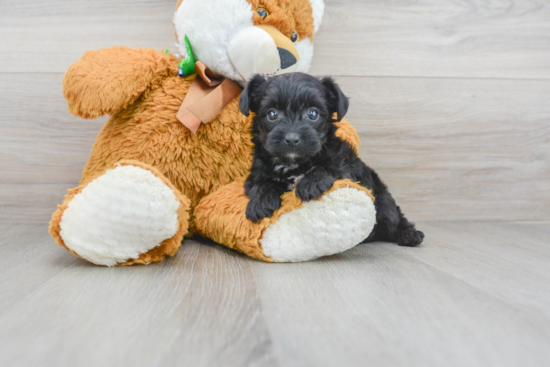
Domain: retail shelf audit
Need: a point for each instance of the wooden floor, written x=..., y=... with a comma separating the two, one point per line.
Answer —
x=475, y=294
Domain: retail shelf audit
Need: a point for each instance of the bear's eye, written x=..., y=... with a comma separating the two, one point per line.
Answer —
x=272, y=115
x=294, y=37
x=313, y=114
x=262, y=13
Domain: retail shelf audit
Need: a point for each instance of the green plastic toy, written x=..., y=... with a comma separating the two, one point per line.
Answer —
x=187, y=65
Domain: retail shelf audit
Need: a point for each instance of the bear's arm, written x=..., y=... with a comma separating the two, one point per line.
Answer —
x=108, y=80
x=347, y=133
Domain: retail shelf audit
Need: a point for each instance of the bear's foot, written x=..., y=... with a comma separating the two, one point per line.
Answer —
x=130, y=214
x=337, y=222
x=298, y=231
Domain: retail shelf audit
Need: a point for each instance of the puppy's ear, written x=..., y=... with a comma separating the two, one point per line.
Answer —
x=337, y=101
x=250, y=96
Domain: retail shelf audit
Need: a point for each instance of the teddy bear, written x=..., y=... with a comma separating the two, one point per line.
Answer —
x=172, y=159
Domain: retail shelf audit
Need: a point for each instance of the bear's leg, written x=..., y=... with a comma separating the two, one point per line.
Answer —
x=297, y=231
x=129, y=214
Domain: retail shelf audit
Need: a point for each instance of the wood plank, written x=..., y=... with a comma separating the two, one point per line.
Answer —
x=467, y=297
x=391, y=311
x=31, y=203
x=43, y=148
x=516, y=257
x=454, y=149
x=433, y=38
x=448, y=149
x=48, y=36
x=39, y=132
x=482, y=39
x=197, y=309
x=28, y=259
x=382, y=305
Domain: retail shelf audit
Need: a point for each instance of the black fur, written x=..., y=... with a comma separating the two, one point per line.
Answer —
x=296, y=147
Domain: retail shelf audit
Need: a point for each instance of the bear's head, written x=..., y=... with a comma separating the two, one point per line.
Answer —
x=239, y=38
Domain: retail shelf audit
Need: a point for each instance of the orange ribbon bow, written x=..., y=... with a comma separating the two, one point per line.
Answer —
x=207, y=97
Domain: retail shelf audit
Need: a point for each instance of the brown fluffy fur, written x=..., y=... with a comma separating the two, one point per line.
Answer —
x=221, y=216
x=142, y=92
x=147, y=131
x=287, y=16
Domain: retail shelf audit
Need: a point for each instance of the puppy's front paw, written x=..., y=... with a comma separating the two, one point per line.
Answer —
x=313, y=187
x=410, y=238
x=262, y=206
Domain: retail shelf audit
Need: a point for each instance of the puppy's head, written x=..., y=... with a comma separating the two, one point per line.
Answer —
x=294, y=113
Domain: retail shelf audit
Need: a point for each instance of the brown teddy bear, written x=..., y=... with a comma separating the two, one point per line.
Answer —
x=172, y=159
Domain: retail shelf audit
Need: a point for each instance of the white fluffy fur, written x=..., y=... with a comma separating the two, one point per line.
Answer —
x=318, y=11
x=120, y=215
x=212, y=24
x=337, y=222
x=305, y=50
x=253, y=51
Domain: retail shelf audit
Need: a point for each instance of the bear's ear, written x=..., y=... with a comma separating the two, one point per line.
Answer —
x=337, y=101
x=251, y=95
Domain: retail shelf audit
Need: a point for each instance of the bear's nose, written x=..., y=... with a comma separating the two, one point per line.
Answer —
x=287, y=58
x=292, y=139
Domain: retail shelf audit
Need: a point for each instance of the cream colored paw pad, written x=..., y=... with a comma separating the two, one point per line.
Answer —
x=336, y=223
x=120, y=215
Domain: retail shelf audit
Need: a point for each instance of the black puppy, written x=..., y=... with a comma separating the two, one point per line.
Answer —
x=296, y=147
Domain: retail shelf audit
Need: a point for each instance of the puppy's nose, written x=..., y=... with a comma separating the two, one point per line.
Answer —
x=292, y=139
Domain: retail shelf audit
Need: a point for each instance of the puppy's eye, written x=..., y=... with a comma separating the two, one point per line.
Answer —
x=313, y=114
x=294, y=37
x=272, y=115
x=262, y=13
